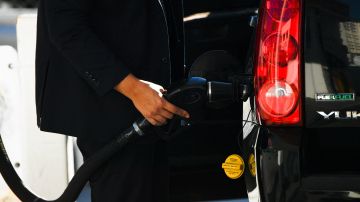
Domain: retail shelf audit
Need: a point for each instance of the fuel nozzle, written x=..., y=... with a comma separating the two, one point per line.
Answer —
x=239, y=89
x=195, y=93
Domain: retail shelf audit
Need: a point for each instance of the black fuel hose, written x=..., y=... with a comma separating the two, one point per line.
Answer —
x=191, y=95
x=81, y=177
x=91, y=165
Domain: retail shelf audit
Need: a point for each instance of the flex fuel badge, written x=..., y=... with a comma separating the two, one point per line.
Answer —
x=334, y=97
x=234, y=166
x=252, y=165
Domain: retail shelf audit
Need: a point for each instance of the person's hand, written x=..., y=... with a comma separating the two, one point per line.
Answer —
x=148, y=99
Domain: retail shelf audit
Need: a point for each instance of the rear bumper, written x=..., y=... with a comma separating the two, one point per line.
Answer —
x=292, y=165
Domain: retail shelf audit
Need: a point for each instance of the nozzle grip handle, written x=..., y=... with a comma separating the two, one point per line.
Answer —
x=141, y=126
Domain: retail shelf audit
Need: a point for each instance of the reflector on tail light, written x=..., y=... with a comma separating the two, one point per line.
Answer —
x=277, y=62
x=277, y=98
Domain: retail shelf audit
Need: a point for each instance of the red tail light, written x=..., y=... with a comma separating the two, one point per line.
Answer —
x=277, y=62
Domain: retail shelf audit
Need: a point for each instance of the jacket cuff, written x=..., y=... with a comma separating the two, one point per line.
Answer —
x=104, y=80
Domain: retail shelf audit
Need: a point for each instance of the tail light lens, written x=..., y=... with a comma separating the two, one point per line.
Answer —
x=277, y=62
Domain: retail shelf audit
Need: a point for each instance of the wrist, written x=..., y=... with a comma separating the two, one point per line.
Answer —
x=129, y=86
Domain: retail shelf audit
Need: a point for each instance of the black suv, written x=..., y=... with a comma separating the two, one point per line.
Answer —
x=301, y=134
x=300, y=138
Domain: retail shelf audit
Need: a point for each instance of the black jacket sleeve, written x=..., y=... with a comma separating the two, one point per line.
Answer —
x=70, y=32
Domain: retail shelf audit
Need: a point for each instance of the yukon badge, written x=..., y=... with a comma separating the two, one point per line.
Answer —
x=340, y=115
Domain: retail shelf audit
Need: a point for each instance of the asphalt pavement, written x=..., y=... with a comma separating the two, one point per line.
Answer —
x=85, y=197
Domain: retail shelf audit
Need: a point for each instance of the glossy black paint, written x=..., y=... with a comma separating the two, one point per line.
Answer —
x=332, y=60
x=196, y=156
x=278, y=164
x=317, y=162
x=286, y=171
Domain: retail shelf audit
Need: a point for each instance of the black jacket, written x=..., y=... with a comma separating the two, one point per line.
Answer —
x=86, y=47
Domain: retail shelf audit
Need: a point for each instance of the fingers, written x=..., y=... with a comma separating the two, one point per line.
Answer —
x=176, y=110
x=166, y=114
x=160, y=119
x=157, y=120
x=163, y=111
x=153, y=122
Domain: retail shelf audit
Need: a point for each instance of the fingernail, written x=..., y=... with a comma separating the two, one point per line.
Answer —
x=187, y=116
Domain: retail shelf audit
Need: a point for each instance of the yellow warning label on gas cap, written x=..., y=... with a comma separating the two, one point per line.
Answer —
x=234, y=166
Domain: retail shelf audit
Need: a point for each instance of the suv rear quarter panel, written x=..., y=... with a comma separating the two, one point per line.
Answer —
x=332, y=61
